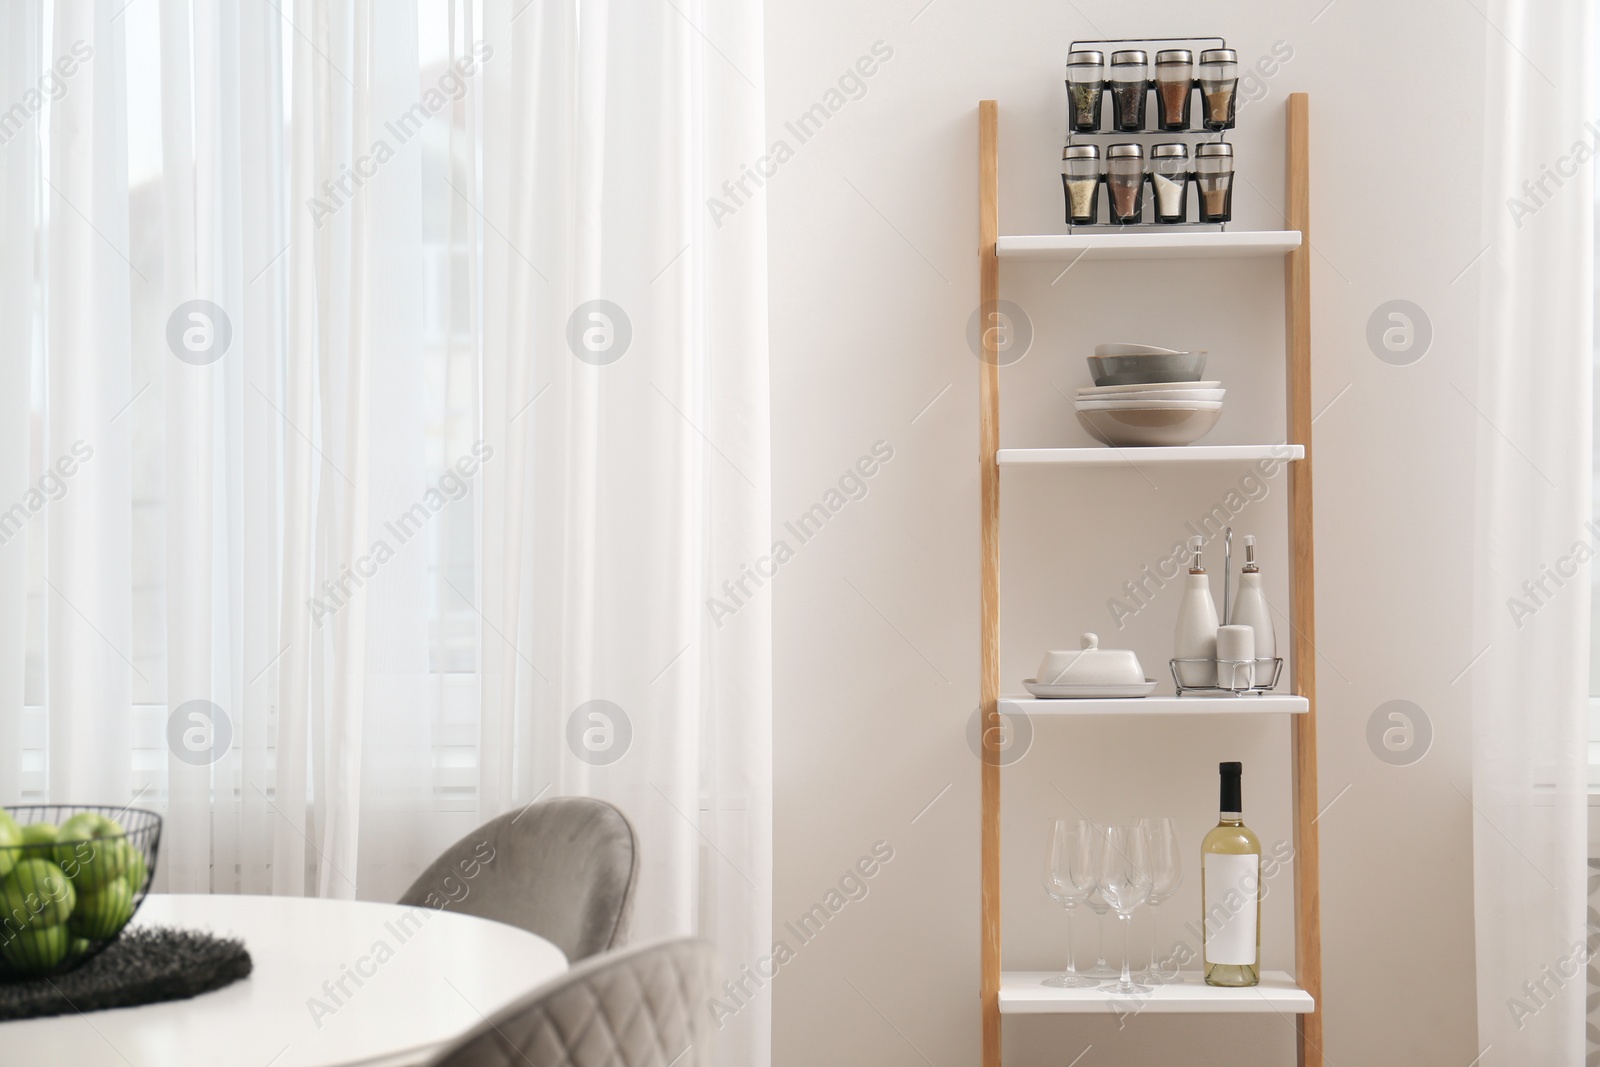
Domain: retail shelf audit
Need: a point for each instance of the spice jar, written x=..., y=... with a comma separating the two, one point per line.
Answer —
x=1129, y=78
x=1125, y=182
x=1219, y=87
x=1169, y=182
x=1213, y=175
x=1086, y=82
x=1080, y=180
x=1174, y=85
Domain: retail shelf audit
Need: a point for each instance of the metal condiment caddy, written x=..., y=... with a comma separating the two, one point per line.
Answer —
x=1195, y=82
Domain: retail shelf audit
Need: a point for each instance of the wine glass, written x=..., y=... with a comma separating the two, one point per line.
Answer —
x=1098, y=905
x=1069, y=879
x=1166, y=874
x=1124, y=881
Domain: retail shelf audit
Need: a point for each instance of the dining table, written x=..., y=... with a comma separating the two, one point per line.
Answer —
x=334, y=983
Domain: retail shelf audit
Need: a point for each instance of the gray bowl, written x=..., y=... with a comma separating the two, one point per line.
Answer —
x=1148, y=369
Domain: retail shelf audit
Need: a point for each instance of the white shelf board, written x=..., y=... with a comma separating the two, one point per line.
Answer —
x=1103, y=456
x=1177, y=244
x=1265, y=704
x=1023, y=993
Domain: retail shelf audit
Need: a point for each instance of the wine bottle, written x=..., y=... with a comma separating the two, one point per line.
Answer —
x=1230, y=891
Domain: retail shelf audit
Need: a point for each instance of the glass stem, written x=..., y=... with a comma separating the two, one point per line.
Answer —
x=1072, y=955
x=1100, y=941
x=1152, y=968
x=1127, y=932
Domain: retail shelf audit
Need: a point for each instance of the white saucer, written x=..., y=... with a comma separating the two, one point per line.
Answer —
x=1088, y=692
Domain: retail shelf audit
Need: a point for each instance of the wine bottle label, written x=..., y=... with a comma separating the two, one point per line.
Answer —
x=1232, y=884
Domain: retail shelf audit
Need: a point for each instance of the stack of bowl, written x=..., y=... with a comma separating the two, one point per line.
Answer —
x=1144, y=396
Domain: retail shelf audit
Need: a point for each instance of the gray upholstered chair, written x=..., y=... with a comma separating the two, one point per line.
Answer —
x=637, y=1007
x=564, y=869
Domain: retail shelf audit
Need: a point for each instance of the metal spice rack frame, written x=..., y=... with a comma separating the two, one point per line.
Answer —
x=1200, y=135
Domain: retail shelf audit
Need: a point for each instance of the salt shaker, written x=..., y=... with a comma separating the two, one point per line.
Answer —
x=1169, y=181
x=1129, y=80
x=1236, y=657
x=1080, y=180
x=1086, y=82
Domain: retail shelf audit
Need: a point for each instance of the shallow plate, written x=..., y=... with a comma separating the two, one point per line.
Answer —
x=1097, y=404
x=1164, y=393
x=1113, y=390
x=1088, y=692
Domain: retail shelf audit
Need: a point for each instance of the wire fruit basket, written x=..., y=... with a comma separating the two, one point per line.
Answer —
x=71, y=878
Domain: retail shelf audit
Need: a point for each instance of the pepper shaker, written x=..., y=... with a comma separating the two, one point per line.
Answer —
x=1219, y=87
x=1213, y=174
x=1125, y=182
x=1129, y=80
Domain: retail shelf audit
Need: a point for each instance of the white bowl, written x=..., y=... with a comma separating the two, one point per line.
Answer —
x=1148, y=405
x=1150, y=427
x=1114, y=391
x=1212, y=396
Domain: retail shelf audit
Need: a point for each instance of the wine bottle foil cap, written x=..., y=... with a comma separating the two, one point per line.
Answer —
x=1089, y=58
x=1213, y=148
x=1125, y=151
x=1169, y=151
x=1081, y=151
x=1219, y=55
x=1234, y=769
x=1129, y=58
x=1174, y=55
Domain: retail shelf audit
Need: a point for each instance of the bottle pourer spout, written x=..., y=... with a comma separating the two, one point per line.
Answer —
x=1194, y=546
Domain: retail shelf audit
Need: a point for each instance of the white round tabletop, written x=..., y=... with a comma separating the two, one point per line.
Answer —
x=336, y=983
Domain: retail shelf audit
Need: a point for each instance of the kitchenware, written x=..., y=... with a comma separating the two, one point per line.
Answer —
x=1169, y=181
x=1251, y=609
x=1091, y=665
x=1086, y=82
x=1236, y=657
x=1088, y=692
x=1160, y=392
x=1166, y=875
x=1069, y=867
x=1080, y=181
x=1219, y=87
x=1125, y=182
x=1128, y=81
x=1124, y=881
x=1195, y=639
x=1139, y=403
x=1174, y=87
x=1152, y=369
x=73, y=884
x=1113, y=390
x=1213, y=175
x=1124, y=349
x=1147, y=428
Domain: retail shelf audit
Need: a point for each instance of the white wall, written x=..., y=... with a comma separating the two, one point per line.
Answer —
x=874, y=274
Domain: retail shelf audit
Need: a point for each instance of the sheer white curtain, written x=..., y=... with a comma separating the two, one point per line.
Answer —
x=1529, y=694
x=426, y=406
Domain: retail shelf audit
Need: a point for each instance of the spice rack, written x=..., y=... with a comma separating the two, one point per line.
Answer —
x=1019, y=992
x=1150, y=130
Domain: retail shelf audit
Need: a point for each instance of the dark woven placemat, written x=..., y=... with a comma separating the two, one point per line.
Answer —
x=146, y=965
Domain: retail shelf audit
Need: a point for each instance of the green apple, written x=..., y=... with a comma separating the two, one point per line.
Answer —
x=36, y=893
x=10, y=839
x=138, y=870
x=104, y=912
x=40, y=833
x=35, y=950
x=92, y=850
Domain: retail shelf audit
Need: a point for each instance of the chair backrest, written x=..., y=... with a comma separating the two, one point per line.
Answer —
x=637, y=1007
x=564, y=869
